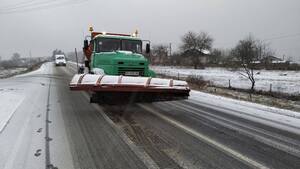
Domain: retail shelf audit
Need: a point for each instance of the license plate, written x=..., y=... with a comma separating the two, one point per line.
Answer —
x=132, y=73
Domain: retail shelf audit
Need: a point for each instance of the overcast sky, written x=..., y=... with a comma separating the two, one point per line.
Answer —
x=62, y=24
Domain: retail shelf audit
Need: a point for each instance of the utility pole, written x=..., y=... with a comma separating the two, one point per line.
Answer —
x=170, y=47
x=30, y=57
x=76, y=58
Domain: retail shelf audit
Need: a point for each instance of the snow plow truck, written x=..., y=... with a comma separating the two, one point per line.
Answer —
x=118, y=72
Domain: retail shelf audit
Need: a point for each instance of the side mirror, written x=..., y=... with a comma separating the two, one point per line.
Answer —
x=148, y=48
x=86, y=63
x=85, y=44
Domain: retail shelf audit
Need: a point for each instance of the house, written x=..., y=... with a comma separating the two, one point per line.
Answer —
x=273, y=60
x=203, y=55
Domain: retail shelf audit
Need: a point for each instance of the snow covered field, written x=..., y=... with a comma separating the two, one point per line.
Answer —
x=7, y=72
x=282, y=81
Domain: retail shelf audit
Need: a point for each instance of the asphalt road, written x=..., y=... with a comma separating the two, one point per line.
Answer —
x=56, y=128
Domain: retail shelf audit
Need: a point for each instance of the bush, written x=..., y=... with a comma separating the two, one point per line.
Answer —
x=197, y=81
x=6, y=64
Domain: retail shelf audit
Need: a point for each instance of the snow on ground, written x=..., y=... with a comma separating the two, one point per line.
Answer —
x=285, y=119
x=74, y=63
x=282, y=81
x=7, y=72
x=40, y=70
x=9, y=102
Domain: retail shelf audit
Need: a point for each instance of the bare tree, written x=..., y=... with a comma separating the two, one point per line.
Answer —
x=160, y=54
x=247, y=51
x=264, y=51
x=216, y=56
x=57, y=52
x=194, y=45
x=177, y=59
x=16, y=56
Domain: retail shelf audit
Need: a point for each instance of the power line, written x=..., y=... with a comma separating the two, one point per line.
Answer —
x=284, y=49
x=30, y=5
x=294, y=35
x=27, y=4
x=18, y=4
x=282, y=37
x=40, y=6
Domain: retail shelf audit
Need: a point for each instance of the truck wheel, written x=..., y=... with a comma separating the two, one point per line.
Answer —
x=80, y=70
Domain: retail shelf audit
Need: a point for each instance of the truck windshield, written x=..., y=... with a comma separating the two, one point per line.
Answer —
x=132, y=45
x=110, y=45
x=60, y=58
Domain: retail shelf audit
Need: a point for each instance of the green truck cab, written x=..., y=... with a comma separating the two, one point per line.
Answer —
x=116, y=54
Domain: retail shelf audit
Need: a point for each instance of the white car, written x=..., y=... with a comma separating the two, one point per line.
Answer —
x=60, y=60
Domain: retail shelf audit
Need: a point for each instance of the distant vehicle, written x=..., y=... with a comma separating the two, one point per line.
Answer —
x=60, y=60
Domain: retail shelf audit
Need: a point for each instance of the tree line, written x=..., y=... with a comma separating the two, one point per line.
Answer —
x=17, y=61
x=197, y=50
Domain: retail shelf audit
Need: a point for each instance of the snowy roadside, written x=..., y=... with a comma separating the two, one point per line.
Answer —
x=233, y=103
x=6, y=73
x=40, y=70
x=280, y=118
x=11, y=72
x=74, y=63
x=75, y=69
